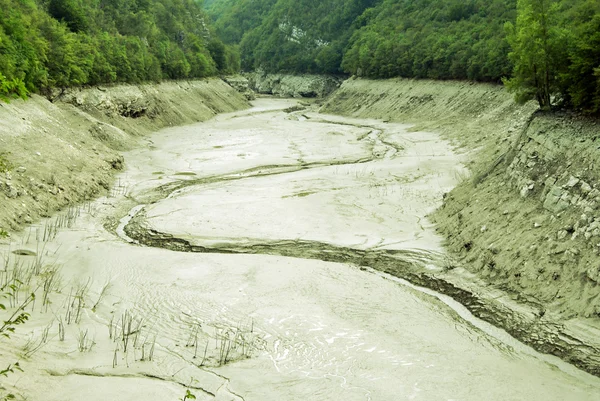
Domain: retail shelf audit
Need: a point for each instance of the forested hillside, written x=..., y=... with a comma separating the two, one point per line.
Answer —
x=60, y=43
x=289, y=36
x=547, y=50
x=438, y=39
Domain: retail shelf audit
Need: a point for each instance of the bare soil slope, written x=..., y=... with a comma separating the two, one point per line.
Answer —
x=525, y=227
x=53, y=154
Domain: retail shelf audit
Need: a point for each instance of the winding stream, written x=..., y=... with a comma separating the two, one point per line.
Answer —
x=244, y=253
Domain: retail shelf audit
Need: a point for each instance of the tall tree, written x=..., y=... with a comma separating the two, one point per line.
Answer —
x=536, y=43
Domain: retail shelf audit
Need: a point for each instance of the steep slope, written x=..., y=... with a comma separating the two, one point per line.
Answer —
x=54, y=154
x=46, y=44
x=523, y=229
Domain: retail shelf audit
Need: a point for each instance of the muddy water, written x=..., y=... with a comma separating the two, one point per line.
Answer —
x=237, y=320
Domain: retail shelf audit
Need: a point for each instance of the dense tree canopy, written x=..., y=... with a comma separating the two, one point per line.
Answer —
x=547, y=50
x=439, y=39
x=289, y=36
x=461, y=39
x=556, y=53
x=59, y=43
x=536, y=47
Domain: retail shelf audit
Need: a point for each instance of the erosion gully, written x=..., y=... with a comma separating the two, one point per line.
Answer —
x=247, y=258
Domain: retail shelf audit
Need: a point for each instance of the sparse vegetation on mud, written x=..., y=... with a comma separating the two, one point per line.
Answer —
x=5, y=165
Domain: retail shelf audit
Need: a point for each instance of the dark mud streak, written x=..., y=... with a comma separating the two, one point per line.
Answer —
x=543, y=336
x=394, y=146
x=304, y=249
x=166, y=190
x=92, y=373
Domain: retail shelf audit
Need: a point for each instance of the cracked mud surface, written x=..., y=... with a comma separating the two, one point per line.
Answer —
x=278, y=220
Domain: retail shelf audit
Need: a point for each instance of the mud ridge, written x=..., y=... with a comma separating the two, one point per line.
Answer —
x=542, y=335
x=525, y=323
x=171, y=188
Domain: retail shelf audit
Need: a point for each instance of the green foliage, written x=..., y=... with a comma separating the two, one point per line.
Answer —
x=60, y=43
x=556, y=53
x=10, y=89
x=15, y=318
x=71, y=12
x=4, y=372
x=445, y=39
x=188, y=396
x=5, y=165
x=580, y=80
x=233, y=18
x=536, y=44
x=18, y=316
x=286, y=35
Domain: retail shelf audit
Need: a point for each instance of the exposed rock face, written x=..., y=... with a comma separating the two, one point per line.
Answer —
x=242, y=85
x=298, y=86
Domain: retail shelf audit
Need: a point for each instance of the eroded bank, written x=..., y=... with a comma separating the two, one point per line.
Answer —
x=238, y=321
x=59, y=152
x=522, y=224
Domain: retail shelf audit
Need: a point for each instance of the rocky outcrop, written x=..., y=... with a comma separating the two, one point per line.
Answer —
x=558, y=165
x=242, y=85
x=298, y=86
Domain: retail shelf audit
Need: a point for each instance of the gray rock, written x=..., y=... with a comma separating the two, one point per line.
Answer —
x=557, y=200
x=593, y=273
x=572, y=182
x=11, y=192
x=293, y=86
x=21, y=169
x=585, y=187
x=550, y=181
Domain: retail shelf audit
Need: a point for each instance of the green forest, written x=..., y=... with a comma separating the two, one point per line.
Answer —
x=548, y=50
x=60, y=43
